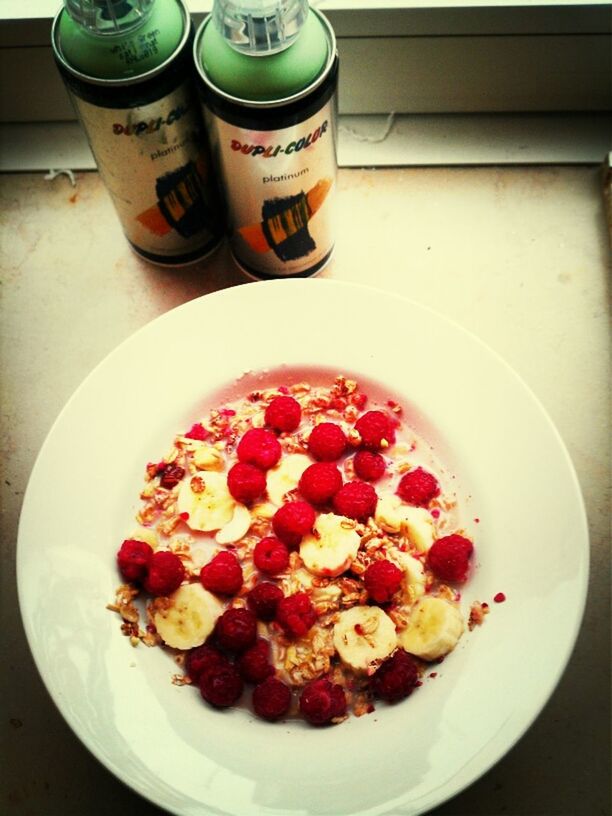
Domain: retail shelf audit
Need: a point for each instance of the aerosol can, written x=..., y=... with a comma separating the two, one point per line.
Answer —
x=128, y=67
x=268, y=78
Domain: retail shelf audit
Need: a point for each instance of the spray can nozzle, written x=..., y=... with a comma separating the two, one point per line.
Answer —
x=260, y=27
x=109, y=16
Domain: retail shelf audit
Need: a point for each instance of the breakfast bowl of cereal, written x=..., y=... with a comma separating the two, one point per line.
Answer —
x=291, y=564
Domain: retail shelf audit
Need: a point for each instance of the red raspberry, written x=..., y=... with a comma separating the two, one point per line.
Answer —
x=296, y=614
x=356, y=499
x=254, y=664
x=382, y=579
x=260, y=448
x=166, y=573
x=221, y=685
x=396, y=678
x=222, y=575
x=133, y=559
x=171, y=475
x=320, y=482
x=292, y=521
x=263, y=600
x=369, y=466
x=197, y=431
x=283, y=414
x=245, y=482
x=236, y=629
x=271, y=699
x=322, y=701
x=201, y=659
x=270, y=555
x=418, y=487
x=327, y=442
x=373, y=427
x=449, y=558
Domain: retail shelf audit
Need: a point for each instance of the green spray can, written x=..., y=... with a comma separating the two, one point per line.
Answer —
x=268, y=74
x=127, y=65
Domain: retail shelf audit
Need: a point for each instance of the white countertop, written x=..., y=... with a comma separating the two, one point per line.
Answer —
x=519, y=256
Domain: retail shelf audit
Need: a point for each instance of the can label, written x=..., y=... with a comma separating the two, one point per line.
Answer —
x=155, y=165
x=280, y=186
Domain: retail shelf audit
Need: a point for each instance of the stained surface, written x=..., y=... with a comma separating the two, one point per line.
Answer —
x=517, y=256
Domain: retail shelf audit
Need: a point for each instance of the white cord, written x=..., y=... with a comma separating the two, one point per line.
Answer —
x=53, y=174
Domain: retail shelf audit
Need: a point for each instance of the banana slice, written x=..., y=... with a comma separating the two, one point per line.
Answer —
x=205, y=457
x=332, y=547
x=236, y=528
x=394, y=516
x=286, y=476
x=187, y=617
x=414, y=575
x=363, y=637
x=147, y=535
x=206, y=501
x=434, y=628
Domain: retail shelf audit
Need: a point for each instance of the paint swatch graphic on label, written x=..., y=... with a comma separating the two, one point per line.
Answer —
x=279, y=188
x=284, y=225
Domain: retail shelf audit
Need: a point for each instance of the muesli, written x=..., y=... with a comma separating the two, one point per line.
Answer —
x=298, y=550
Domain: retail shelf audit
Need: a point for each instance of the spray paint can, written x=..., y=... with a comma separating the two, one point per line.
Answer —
x=268, y=80
x=127, y=65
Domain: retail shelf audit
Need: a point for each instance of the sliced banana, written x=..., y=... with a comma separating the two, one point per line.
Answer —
x=187, y=617
x=205, y=457
x=363, y=637
x=434, y=628
x=395, y=516
x=146, y=534
x=286, y=476
x=236, y=528
x=332, y=546
x=206, y=501
x=414, y=575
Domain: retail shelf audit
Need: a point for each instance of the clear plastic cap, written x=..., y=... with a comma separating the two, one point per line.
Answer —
x=260, y=27
x=109, y=16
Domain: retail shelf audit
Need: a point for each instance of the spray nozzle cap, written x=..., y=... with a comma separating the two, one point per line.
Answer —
x=260, y=27
x=109, y=16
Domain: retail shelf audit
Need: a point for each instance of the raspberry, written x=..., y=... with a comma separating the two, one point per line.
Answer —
x=221, y=685
x=260, y=448
x=320, y=482
x=322, y=701
x=373, y=428
x=356, y=499
x=133, y=559
x=327, y=442
x=449, y=558
x=292, y=521
x=166, y=573
x=222, y=575
x=254, y=664
x=396, y=678
x=382, y=580
x=296, y=614
x=201, y=659
x=245, y=482
x=369, y=466
x=197, y=431
x=271, y=699
x=236, y=629
x=263, y=600
x=270, y=555
x=283, y=414
x=418, y=487
x=171, y=475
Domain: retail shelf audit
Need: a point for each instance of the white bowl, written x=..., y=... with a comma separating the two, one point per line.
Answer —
x=531, y=542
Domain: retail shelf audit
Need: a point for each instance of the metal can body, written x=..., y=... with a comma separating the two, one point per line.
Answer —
x=149, y=142
x=278, y=167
